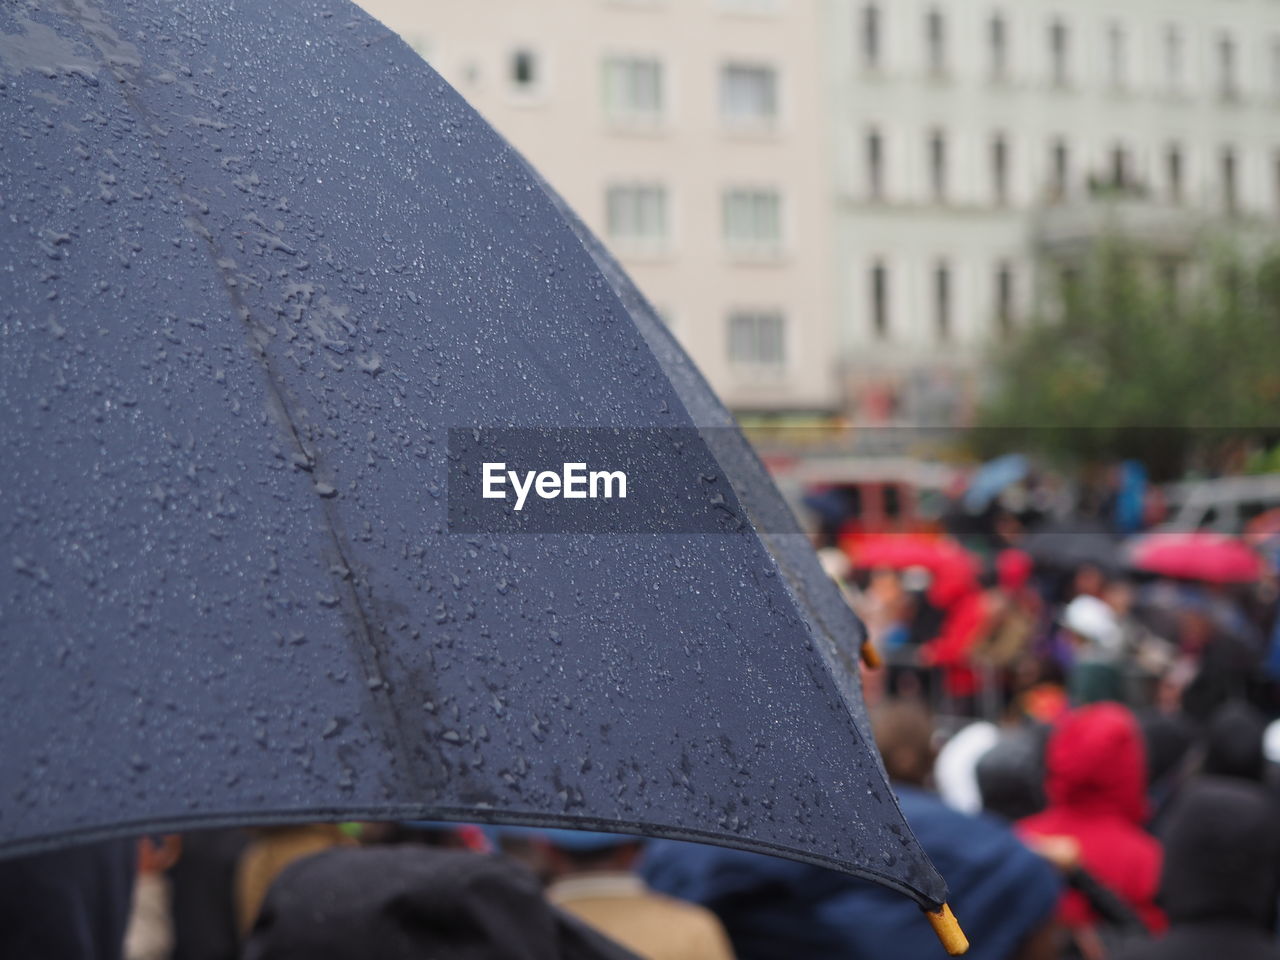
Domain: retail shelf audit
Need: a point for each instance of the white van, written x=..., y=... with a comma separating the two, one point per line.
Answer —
x=1225, y=505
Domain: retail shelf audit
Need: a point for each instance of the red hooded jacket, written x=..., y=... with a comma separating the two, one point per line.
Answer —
x=1096, y=781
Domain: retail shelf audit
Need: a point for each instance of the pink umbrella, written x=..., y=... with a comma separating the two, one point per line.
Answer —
x=1208, y=557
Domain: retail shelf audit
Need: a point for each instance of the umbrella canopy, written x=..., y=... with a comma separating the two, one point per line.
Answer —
x=261, y=261
x=992, y=477
x=954, y=570
x=1207, y=557
x=900, y=551
x=1073, y=544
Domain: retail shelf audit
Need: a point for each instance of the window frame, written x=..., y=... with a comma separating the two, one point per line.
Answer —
x=629, y=117
x=754, y=364
x=757, y=249
x=755, y=124
x=640, y=244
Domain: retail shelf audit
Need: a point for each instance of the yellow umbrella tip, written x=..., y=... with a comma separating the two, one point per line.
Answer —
x=947, y=928
x=871, y=656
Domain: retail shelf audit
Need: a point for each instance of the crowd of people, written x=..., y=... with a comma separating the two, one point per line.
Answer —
x=1118, y=713
x=1080, y=840
x=1087, y=751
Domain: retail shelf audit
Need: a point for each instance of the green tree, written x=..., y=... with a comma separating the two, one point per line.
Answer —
x=1116, y=364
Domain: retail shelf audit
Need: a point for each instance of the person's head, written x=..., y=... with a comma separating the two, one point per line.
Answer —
x=574, y=852
x=1092, y=626
x=1010, y=775
x=1119, y=596
x=1195, y=630
x=1233, y=742
x=1096, y=763
x=1221, y=845
x=1088, y=581
x=904, y=733
x=411, y=901
x=1013, y=570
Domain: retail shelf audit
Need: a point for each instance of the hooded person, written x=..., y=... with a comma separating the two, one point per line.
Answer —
x=413, y=902
x=1095, y=783
x=1219, y=883
x=1233, y=742
x=1010, y=775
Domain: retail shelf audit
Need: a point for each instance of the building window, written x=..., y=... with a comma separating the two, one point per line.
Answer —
x=1276, y=167
x=936, y=41
x=748, y=94
x=636, y=215
x=1227, y=67
x=1116, y=55
x=1173, y=58
x=633, y=89
x=1058, y=53
x=753, y=222
x=757, y=340
x=1004, y=298
x=1060, y=177
x=880, y=301
x=1275, y=67
x=998, y=37
x=525, y=72
x=871, y=35
x=938, y=166
x=1121, y=175
x=1173, y=168
x=875, y=165
x=942, y=301
x=1000, y=169
x=1230, y=199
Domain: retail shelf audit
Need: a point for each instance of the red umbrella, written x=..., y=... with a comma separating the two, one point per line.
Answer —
x=1208, y=557
x=899, y=551
x=954, y=569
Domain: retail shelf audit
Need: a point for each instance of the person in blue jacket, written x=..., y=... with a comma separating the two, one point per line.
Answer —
x=1003, y=894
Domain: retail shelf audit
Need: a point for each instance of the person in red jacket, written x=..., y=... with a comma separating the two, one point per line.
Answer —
x=1095, y=781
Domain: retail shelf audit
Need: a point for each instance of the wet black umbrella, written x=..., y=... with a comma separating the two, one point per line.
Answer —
x=271, y=293
x=1070, y=544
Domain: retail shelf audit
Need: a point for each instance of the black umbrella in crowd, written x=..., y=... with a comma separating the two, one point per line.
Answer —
x=1070, y=544
x=272, y=294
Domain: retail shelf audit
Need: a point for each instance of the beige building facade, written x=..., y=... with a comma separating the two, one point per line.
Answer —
x=691, y=136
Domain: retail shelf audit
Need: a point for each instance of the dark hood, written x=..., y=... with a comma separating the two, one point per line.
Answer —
x=1233, y=742
x=414, y=902
x=1222, y=846
x=1011, y=774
